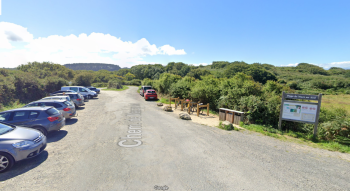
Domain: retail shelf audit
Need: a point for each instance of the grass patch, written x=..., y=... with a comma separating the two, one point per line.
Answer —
x=210, y=111
x=298, y=138
x=165, y=101
x=336, y=101
x=12, y=106
x=138, y=89
x=113, y=89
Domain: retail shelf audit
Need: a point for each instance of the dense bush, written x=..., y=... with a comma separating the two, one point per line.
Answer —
x=134, y=82
x=206, y=91
x=183, y=87
x=84, y=79
x=165, y=81
x=99, y=84
x=115, y=84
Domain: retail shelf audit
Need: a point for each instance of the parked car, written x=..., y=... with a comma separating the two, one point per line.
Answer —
x=18, y=143
x=44, y=119
x=143, y=89
x=62, y=97
x=69, y=91
x=61, y=91
x=66, y=108
x=151, y=94
x=82, y=90
x=93, y=89
x=75, y=97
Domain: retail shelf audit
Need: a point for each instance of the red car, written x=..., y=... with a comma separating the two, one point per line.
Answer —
x=151, y=94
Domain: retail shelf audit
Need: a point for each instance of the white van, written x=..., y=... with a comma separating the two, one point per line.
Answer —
x=82, y=90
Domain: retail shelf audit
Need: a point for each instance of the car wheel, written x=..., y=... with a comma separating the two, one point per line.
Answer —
x=90, y=97
x=6, y=162
x=76, y=106
x=42, y=130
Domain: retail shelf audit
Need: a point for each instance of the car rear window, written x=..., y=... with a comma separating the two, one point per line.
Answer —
x=146, y=88
x=52, y=111
x=67, y=103
x=151, y=92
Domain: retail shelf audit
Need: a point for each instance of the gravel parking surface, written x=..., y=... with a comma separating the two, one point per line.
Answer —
x=175, y=154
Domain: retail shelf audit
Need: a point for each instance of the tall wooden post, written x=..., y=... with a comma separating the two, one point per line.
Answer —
x=281, y=111
x=317, y=114
x=208, y=110
x=197, y=109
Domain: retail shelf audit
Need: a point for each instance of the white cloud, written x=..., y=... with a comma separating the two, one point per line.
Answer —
x=75, y=49
x=10, y=32
x=344, y=64
x=169, y=50
x=296, y=64
x=197, y=64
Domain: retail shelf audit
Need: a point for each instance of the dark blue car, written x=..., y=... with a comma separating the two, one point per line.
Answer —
x=44, y=119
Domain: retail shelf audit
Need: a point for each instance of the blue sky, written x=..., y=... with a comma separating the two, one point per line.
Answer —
x=194, y=32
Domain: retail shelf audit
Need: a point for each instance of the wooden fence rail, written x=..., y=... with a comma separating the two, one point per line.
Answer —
x=175, y=99
x=200, y=106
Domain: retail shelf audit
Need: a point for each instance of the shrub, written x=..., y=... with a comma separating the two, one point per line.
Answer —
x=99, y=84
x=84, y=79
x=115, y=84
x=183, y=87
x=134, y=82
x=165, y=81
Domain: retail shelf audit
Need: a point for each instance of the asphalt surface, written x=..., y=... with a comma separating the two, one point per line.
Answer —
x=91, y=153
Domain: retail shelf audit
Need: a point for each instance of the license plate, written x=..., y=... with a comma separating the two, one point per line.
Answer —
x=151, y=97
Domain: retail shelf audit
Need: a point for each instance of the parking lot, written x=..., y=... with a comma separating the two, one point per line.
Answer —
x=174, y=154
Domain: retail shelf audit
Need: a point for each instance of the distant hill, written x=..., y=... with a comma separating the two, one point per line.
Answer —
x=92, y=66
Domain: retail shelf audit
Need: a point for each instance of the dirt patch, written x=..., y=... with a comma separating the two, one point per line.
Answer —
x=211, y=120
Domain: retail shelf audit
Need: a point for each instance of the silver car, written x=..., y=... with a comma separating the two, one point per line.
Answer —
x=66, y=108
x=62, y=97
x=77, y=99
x=18, y=143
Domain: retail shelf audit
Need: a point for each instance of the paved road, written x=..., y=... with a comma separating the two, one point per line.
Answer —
x=178, y=155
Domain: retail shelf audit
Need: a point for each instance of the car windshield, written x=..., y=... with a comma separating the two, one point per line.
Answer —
x=5, y=129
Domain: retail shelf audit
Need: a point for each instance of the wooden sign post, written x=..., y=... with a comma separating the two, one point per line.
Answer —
x=300, y=111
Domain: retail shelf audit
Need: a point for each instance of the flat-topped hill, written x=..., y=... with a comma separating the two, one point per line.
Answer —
x=92, y=66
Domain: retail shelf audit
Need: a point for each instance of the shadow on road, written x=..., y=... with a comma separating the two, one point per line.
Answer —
x=80, y=108
x=71, y=121
x=96, y=98
x=153, y=100
x=56, y=136
x=24, y=166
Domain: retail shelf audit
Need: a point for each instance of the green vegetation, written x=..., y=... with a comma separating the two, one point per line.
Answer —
x=301, y=138
x=165, y=101
x=114, y=89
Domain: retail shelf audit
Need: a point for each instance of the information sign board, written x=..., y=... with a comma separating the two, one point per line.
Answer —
x=299, y=112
